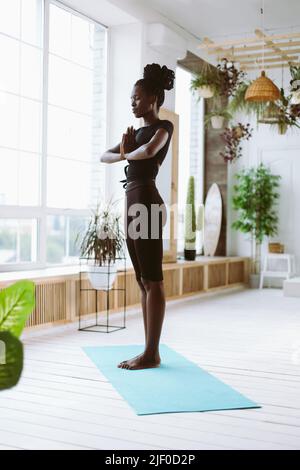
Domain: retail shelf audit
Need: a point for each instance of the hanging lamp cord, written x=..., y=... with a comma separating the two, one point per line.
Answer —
x=262, y=11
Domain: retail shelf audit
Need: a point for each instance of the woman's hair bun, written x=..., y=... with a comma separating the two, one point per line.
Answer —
x=163, y=76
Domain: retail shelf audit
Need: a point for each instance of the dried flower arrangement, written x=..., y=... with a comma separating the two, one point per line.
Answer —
x=232, y=137
x=230, y=78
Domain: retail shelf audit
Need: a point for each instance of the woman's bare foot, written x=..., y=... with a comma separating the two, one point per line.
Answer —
x=141, y=362
x=124, y=362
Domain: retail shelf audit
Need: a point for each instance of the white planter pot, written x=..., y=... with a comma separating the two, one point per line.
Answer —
x=205, y=91
x=217, y=122
x=102, y=277
x=254, y=281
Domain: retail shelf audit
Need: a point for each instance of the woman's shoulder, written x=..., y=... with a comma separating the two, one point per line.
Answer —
x=166, y=124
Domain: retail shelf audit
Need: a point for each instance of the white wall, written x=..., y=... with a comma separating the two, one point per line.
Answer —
x=282, y=154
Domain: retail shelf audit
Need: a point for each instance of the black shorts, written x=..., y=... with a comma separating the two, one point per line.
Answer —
x=145, y=216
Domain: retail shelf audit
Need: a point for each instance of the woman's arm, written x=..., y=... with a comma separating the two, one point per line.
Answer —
x=112, y=155
x=151, y=148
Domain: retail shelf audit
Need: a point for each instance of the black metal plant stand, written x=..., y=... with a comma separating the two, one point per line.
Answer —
x=96, y=327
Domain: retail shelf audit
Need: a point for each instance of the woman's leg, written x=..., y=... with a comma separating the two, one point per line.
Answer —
x=135, y=262
x=156, y=305
x=150, y=252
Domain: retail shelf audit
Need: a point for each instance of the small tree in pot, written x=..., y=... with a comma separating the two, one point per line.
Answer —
x=103, y=242
x=255, y=197
x=190, y=222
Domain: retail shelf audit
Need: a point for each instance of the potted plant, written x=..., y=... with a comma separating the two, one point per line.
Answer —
x=217, y=117
x=205, y=82
x=17, y=302
x=232, y=137
x=190, y=222
x=255, y=198
x=281, y=114
x=102, y=243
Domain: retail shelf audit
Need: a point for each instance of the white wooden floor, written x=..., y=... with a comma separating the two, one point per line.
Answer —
x=249, y=339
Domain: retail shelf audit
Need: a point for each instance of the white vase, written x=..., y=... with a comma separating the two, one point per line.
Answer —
x=217, y=122
x=205, y=91
x=102, y=277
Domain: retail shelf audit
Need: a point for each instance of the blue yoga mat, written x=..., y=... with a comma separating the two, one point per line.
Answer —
x=178, y=385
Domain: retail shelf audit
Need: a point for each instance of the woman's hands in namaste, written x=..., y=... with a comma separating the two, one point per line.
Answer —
x=128, y=143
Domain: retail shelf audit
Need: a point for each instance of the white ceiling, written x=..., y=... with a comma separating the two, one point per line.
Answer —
x=227, y=18
x=196, y=19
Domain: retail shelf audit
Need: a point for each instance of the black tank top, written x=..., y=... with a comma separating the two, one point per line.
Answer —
x=148, y=168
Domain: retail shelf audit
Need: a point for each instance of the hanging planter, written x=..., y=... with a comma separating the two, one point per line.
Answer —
x=205, y=91
x=281, y=115
x=205, y=82
x=217, y=117
x=217, y=122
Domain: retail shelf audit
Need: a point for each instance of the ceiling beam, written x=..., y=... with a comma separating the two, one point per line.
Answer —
x=270, y=43
x=275, y=59
x=209, y=41
x=275, y=66
x=258, y=47
x=240, y=57
x=235, y=42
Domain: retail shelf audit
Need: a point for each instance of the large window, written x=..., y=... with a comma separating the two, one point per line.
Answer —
x=191, y=150
x=53, y=129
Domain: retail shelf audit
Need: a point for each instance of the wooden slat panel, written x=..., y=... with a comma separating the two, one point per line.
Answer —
x=171, y=282
x=216, y=275
x=58, y=301
x=236, y=272
x=193, y=279
x=50, y=304
x=132, y=290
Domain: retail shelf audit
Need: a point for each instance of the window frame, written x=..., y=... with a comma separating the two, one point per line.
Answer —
x=41, y=211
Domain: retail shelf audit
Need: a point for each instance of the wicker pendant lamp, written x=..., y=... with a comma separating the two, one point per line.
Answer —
x=262, y=89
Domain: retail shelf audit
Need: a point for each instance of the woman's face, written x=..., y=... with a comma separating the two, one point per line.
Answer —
x=141, y=103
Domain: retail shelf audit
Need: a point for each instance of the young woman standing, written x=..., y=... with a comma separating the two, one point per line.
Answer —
x=145, y=150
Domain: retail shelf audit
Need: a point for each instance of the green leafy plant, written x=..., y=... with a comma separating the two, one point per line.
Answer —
x=207, y=76
x=217, y=112
x=16, y=304
x=239, y=104
x=255, y=199
x=281, y=114
x=103, y=240
x=190, y=221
